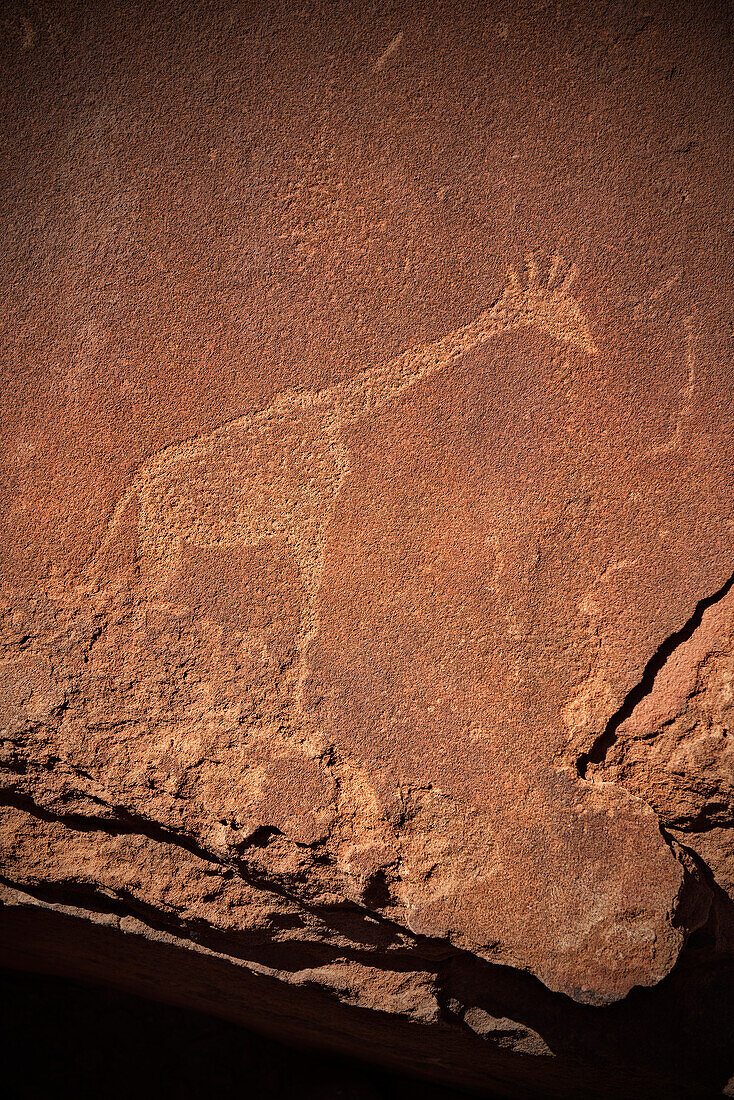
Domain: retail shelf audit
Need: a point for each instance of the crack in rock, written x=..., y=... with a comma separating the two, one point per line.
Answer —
x=602, y=744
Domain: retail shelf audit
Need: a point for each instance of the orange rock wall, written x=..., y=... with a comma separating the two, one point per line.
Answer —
x=367, y=508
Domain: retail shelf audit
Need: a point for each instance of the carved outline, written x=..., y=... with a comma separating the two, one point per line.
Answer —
x=528, y=300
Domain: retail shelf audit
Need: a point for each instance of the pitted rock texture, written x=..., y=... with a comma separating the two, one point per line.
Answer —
x=367, y=518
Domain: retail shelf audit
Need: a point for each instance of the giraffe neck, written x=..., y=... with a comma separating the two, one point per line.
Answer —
x=375, y=387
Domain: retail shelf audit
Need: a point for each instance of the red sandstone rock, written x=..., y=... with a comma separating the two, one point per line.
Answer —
x=368, y=526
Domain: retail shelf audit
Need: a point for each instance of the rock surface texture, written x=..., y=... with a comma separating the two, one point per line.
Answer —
x=367, y=626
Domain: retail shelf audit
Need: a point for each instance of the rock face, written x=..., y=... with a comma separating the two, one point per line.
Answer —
x=368, y=603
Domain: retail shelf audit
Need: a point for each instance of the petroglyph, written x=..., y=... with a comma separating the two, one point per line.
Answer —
x=548, y=304
x=391, y=50
x=687, y=391
x=275, y=475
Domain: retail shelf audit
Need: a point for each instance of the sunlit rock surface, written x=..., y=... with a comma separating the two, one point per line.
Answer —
x=367, y=609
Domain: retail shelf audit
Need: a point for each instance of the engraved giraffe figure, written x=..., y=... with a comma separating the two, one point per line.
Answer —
x=275, y=475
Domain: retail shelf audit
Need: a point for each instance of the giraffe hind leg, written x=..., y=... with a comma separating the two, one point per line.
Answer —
x=311, y=566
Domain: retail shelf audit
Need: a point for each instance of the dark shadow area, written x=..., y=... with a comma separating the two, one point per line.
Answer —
x=672, y=1040
x=67, y=1038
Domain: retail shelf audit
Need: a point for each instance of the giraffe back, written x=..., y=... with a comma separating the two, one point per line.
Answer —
x=254, y=478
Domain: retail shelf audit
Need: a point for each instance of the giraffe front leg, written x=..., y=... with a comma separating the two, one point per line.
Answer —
x=312, y=568
x=311, y=563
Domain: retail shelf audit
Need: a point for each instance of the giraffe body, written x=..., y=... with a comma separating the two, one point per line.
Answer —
x=276, y=475
x=273, y=476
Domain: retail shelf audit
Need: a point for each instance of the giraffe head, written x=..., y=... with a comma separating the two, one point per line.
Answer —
x=547, y=303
